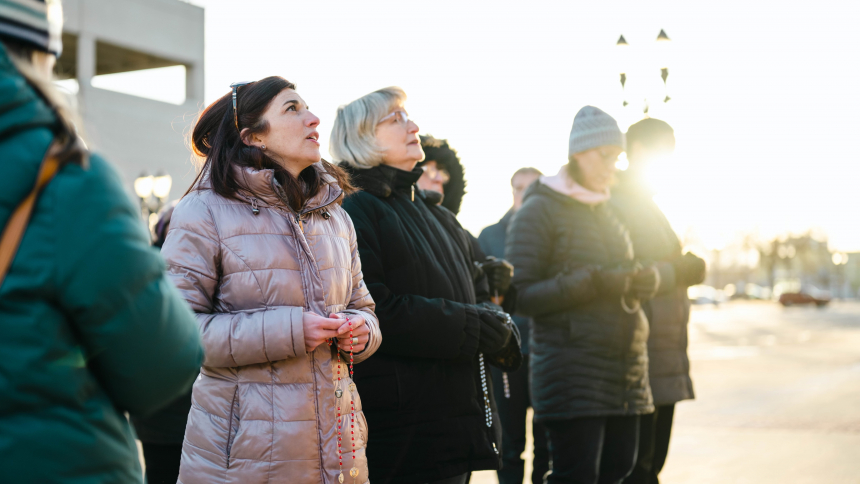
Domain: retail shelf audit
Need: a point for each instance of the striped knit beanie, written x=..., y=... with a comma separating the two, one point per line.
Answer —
x=37, y=23
x=593, y=128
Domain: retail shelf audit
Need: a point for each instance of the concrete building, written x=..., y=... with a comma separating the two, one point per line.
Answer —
x=137, y=135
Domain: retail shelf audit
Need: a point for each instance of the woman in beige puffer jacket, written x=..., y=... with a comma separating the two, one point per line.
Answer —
x=268, y=271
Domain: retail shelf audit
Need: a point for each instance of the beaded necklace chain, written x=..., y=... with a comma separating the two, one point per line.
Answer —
x=488, y=412
x=338, y=392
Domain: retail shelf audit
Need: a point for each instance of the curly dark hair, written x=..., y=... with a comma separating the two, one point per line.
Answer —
x=446, y=159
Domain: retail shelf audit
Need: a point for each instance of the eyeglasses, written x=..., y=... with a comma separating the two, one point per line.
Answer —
x=436, y=174
x=400, y=116
x=235, y=87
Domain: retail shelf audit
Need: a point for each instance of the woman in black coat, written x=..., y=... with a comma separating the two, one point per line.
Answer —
x=427, y=392
x=576, y=277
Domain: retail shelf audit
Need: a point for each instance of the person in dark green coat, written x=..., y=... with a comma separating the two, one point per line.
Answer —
x=91, y=328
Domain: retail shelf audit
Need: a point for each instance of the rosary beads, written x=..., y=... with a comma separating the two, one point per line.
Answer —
x=338, y=393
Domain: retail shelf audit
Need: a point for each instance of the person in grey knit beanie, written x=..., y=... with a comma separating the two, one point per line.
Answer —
x=578, y=278
x=593, y=128
x=594, y=146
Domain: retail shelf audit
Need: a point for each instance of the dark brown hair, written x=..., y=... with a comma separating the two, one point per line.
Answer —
x=216, y=139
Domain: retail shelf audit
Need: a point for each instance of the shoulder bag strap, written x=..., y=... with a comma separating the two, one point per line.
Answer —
x=14, y=230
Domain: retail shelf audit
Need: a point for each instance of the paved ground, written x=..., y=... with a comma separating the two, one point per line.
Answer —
x=778, y=397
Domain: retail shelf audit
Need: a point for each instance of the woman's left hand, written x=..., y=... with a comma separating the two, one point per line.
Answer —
x=360, y=331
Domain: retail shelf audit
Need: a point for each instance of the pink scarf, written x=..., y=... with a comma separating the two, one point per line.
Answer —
x=564, y=184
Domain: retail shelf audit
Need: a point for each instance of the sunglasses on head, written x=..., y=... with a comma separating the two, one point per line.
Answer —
x=235, y=87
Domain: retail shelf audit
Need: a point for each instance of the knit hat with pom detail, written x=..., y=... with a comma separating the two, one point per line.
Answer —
x=36, y=23
x=593, y=128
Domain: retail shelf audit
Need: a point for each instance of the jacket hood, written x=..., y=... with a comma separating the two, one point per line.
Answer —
x=27, y=125
x=446, y=158
x=539, y=189
x=562, y=183
x=20, y=107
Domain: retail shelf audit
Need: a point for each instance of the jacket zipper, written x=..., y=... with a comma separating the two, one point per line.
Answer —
x=311, y=356
x=303, y=212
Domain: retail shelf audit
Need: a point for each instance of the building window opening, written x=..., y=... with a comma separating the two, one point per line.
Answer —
x=165, y=84
x=125, y=70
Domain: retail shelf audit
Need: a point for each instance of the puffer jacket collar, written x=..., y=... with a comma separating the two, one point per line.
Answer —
x=540, y=189
x=262, y=188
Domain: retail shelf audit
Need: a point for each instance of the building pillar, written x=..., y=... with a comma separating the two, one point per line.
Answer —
x=86, y=61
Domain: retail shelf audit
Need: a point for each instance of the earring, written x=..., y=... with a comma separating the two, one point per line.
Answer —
x=263, y=147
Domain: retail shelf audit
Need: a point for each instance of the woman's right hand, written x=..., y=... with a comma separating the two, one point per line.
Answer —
x=318, y=329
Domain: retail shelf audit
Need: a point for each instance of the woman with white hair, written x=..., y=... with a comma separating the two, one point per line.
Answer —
x=427, y=392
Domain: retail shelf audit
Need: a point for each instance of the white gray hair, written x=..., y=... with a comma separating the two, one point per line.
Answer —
x=353, y=137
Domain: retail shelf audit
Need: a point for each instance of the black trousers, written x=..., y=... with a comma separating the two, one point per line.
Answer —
x=592, y=450
x=162, y=462
x=512, y=413
x=655, y=430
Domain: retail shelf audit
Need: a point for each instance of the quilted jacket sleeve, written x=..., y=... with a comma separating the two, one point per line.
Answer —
x=193, y=254
x=361, y=303
x=140, y=338
x=541, y=288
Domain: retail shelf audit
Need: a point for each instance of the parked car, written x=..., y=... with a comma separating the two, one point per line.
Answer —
x=795, y=298
x=702, y=294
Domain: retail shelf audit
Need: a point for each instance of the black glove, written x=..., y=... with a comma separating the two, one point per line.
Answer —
x=645, y=283
x=689, y=270
x=496, y=331
x=499, y=274
x=613, y=282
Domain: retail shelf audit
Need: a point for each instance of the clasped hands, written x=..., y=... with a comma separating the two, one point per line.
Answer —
x=319, y=329
x=637, y=282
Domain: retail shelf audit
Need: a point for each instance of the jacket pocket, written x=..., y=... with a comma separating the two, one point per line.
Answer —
x=233, y=423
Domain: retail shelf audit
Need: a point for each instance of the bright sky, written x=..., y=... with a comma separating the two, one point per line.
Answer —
x=764, y=97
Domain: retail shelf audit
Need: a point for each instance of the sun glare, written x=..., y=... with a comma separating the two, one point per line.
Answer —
x=755, y=151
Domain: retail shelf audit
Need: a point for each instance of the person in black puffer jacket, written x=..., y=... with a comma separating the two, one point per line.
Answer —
x=577, y=278
x=669, y=311
x=426, y=395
